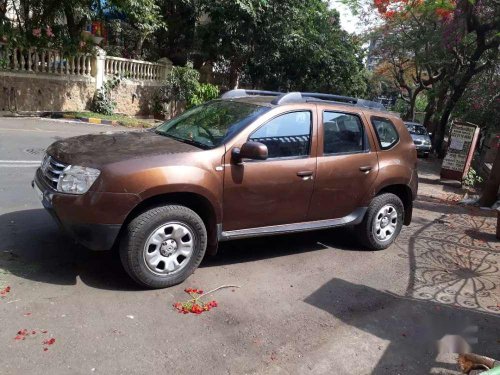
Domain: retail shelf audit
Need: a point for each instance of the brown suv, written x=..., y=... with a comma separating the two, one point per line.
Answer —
x=253, y=163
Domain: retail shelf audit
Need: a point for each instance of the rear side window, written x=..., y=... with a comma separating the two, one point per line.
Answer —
x=343, y=133
x=386, y=132
x=287, y=135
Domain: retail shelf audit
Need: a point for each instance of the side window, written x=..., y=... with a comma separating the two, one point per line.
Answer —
x=288, y=135
x=343, y=133
x=386, y=132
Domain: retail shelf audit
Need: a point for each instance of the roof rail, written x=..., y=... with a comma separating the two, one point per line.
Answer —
x=239, y=93
x=335, y=98
x=300, y=97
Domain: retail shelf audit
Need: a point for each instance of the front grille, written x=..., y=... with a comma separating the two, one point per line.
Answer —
x=51, y=170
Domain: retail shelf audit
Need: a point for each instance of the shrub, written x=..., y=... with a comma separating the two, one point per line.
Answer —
x=102, y=102
x=471, y=179
x=182, y=88
x=204, y=92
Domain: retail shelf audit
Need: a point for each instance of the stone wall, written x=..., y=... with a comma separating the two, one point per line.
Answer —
x=34, y=79
x=134, y=98
x=30, y=92
x=21, y=92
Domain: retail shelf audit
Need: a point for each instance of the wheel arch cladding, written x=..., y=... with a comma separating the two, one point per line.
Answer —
x=196, y=202
x=404, y=193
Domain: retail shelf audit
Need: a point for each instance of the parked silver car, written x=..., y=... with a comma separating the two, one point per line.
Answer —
x=420, y=137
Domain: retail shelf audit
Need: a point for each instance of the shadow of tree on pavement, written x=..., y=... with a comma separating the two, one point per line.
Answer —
x=452, y=264
x=452, y=289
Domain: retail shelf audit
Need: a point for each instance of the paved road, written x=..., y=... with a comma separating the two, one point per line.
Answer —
x=22, y=144
x=308, y=304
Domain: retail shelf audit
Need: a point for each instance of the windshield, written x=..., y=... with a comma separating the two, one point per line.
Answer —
x=416, y=129
x=211, y=124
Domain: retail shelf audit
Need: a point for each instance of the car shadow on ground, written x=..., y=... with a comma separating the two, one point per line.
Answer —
x=34, y=248
x=251, y=249
x=411, y=326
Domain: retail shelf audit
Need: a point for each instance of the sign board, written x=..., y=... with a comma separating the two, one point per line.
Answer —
x=461, y=147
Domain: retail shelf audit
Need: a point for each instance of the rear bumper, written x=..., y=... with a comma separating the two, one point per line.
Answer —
x=93, y=219
x=423, y=149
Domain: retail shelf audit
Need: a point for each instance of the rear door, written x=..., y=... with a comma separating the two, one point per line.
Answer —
x=347, y=164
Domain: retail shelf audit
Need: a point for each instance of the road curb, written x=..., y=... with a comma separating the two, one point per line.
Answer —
x=90, y=120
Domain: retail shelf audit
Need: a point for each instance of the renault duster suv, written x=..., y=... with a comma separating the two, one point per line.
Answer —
x=252, y=163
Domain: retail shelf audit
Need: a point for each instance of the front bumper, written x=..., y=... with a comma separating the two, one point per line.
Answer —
x=93, y=219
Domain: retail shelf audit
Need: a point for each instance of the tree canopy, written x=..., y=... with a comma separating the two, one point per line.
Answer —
x=287, y=45
x=436, y=48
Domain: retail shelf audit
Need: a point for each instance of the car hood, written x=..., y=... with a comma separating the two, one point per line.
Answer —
x=95, y=150
x=417, y=137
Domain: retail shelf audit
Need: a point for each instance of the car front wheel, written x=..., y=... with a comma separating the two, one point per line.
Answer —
x=382, y=222
x=163, y=246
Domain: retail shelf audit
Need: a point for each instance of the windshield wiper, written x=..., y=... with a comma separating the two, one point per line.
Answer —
x=184, y=140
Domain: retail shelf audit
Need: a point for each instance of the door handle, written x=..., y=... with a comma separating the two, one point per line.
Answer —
x=305, y=173
x=366, y=168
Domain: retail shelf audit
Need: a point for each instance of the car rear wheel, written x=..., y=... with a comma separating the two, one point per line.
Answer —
x=163, y=246
x=382, y=222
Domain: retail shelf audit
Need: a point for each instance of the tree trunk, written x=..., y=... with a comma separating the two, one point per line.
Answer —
x=410, y=112
x=430, y=108
x=3, y=9
x=457, y=92
x=234, y=75
x=138, y=47
x=73, y=29
x=491, y=189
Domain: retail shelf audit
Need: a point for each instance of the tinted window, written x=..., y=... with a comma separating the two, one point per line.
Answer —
x=343, y=133
x=416, y=129
x=288, y=135
x=386, y=132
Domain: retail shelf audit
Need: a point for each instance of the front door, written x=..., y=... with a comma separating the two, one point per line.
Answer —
x=277, y=190
x=347, y=165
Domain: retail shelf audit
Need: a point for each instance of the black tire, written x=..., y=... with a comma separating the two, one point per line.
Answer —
x=134, y=238
x=365, y=229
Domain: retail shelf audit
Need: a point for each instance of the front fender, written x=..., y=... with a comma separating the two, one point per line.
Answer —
x=171, y=188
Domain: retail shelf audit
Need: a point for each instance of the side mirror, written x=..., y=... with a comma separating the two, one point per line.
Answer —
x=249, y=150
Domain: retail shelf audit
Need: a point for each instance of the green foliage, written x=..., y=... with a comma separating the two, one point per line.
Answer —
x=292, y=45
x=401, y=106
x=421, y=103
x=103, y=102
x=471, y=179
x=143, y=14
x=203, y=93
x=182, y=86
x=480, y=104
x=182, y=83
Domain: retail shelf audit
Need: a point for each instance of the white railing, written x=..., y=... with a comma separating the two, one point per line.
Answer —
x=97, y=67
x=45, y=61
x=134, y=69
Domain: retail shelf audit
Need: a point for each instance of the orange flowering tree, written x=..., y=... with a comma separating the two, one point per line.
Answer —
x=434, y=47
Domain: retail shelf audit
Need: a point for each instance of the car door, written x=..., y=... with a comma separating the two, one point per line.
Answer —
x=277, y=190
x=347, y=164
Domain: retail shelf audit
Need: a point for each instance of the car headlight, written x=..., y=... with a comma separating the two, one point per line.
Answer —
x=77, y=180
